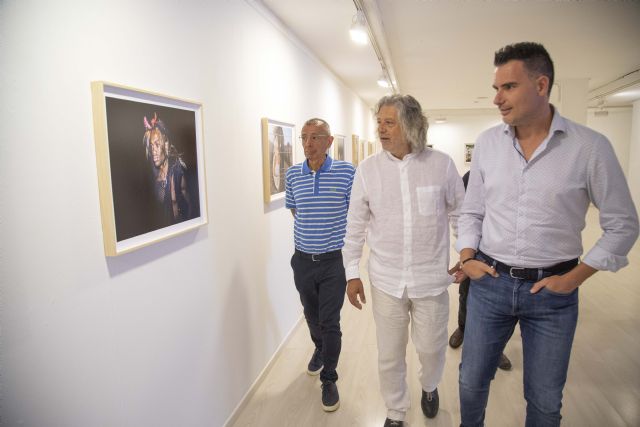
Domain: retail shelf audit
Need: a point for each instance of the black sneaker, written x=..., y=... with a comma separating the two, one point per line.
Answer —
x=430, y=403
x=330, y=396
x=505, y=363
x=393, y=423
x=315, y=364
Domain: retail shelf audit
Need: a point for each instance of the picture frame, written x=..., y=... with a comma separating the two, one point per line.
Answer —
x=355, y=149
x=276, y=161
x=338, y=147
x=468, y=152
x=150, y=164
x=370, y=148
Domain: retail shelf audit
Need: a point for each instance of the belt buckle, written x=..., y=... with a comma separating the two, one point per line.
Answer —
x=313, y=257
x=516, y=268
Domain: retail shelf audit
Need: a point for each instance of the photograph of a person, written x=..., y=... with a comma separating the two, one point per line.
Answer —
x=468, y=152
x=156, y=183
x=277, y=143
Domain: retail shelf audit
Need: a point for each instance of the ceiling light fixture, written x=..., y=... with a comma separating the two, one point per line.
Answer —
x=358, y=29
x=383, y=82
x=440, y=120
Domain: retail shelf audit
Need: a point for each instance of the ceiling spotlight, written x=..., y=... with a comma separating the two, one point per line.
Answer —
x=440, y=120
x=383, y=82
x=358, y=29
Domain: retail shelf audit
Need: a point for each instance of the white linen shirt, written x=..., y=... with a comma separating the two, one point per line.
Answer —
x=531, y=214
x=404, y=208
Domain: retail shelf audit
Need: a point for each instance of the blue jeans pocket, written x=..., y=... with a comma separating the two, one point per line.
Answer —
x=558, y=294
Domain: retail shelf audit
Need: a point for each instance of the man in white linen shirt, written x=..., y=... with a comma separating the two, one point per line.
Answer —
x=532, y=180
x=403, y=199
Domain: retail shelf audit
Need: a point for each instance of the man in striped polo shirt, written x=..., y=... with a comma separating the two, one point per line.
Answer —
x=318, y=192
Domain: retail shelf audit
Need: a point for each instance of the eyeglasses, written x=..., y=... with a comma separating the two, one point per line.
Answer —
x=312, y=138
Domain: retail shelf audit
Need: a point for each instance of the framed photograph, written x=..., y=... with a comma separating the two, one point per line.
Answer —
x=338, y=147
x=468, y=152
x=355, y=149
x=150, y=161
x=277, y=157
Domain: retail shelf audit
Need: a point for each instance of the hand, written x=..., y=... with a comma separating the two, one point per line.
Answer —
x=355, y=289
x=557, y=284
x=475, y=269
x=567, y=282
x=459, y=276
x=453, y=270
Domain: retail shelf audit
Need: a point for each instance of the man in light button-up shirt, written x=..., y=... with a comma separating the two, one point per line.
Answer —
x=403, y=200
x=532, y=180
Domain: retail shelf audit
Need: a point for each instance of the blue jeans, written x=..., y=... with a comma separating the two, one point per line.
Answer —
x=547, y=324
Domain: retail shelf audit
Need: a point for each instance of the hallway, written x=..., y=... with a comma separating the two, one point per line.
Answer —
x=603, y=388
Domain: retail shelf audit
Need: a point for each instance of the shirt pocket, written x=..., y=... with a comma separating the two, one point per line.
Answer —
x=429, y=202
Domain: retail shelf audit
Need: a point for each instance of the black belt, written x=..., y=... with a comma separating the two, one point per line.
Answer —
x=319, y=257
x=527, y=273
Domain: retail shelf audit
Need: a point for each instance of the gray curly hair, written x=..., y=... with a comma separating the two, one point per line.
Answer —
x=413, y=122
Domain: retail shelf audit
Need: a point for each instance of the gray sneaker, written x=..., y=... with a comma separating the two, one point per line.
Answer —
x=315, y=364
x=330, y=396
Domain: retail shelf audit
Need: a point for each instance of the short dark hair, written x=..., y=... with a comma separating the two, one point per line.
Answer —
x=413, y=122
x=535, y=57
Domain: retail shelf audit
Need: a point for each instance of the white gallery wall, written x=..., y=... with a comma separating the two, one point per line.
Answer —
x=173, y=334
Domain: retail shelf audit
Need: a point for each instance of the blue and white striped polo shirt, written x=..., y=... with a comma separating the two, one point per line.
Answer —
x=321, y=201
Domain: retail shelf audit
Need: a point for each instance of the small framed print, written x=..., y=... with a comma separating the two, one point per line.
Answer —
x=355, y=149
x=338, y=147
x=277, y=157
x=468, y=152
x=150, y=161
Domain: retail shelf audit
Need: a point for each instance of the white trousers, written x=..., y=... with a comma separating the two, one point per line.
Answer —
x=429, y=317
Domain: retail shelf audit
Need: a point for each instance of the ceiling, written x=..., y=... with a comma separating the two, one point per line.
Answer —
x=441, y=51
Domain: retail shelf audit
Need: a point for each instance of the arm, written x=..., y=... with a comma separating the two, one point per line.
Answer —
x=357, y=220
x=473, y=208
x=454, y=196
x=609, y=192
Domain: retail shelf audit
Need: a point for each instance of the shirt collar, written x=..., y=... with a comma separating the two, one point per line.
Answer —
x=558, y=124
x=326, y=166
x=395, y=159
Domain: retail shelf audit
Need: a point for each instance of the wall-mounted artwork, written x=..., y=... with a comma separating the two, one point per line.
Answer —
x=150, y=160
x=370, y=148
x=338, y=147
x=468, y=152
x=355, y=149
x=361, y=147
x=277, y=157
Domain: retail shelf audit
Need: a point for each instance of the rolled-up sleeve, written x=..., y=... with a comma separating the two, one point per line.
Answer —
x=610, y=193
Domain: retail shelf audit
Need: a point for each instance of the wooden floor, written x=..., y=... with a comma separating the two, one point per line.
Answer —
x=603, y=389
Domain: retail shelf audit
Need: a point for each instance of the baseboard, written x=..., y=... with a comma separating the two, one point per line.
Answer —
x=249, y=394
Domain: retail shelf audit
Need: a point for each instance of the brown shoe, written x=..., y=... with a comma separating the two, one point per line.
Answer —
x=456, y=338
x=505, y=363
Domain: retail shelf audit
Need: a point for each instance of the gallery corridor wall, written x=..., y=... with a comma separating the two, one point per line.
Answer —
x=175, y=333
